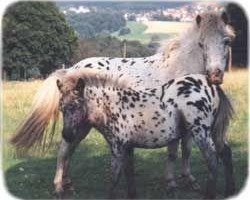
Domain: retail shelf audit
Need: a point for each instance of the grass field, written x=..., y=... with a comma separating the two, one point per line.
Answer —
x=165, y=27
x=30, y=176
x=138, y=32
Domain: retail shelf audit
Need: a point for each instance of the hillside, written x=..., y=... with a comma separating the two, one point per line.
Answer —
x=145, y=32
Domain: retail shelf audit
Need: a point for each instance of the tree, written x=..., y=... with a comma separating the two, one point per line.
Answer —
x=35, y=35
x=239, y=22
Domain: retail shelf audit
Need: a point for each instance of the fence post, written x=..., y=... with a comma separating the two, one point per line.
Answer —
x=124, y=48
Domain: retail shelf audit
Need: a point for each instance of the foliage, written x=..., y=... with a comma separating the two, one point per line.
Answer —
x=131, y=17
x=35, y=35
x=91, y=24
x=110, y=47
x=124, y=31
x=161, y=17
x=238, y=20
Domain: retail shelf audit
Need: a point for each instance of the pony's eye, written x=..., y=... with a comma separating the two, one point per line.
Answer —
x=200, y=45
x=227, y=41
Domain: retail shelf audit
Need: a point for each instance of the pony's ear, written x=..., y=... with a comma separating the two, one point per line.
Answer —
x=224, y=17
x=59, y=84
x=80, y=85
x=198, y=20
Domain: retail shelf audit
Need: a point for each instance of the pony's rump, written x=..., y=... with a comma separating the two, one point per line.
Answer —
x=45, y=108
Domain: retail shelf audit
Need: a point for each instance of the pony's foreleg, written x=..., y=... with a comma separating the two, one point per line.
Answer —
x=62, y=156
x=129, y=173
x=117, y=164
x=83, y=132
x=226, y=157
x=170, y=166
x=61, y=180
x=186, y=147
x=208, y=150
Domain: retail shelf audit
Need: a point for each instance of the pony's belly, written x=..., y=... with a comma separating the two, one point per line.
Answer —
x=149, y=145
x=152, y=140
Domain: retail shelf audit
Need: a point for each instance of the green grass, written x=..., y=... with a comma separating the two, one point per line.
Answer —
x=138, y=33
x=30, y=176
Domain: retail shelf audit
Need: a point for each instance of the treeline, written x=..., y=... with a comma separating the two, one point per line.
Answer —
x=134, y=6
x=161, y=17
x=92, y=24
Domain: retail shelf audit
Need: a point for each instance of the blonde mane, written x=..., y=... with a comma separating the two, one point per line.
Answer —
x=94, y=78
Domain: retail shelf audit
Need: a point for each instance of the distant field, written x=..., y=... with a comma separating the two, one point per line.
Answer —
x=165, y=27
x=31, y=176
x=138, y=32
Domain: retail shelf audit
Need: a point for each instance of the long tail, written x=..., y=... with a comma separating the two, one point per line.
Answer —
x=45, y=108
x=222, y=119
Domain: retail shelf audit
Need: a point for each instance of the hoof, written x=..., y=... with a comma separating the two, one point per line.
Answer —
x=59, y=193
x=210, y=192
x=189, y=181
x=68, y=185
x=209, y=196
x=131, y=196
x=195, y=186
x=230, y=189
x=64, y=190
x=112, y=194
x=171, y=186
x=229, y=193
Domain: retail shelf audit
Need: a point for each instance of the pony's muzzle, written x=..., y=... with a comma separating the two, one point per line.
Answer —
x=216, y=76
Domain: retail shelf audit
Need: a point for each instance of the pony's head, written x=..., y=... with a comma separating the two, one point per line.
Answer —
x=72, y=106
x=215, y=37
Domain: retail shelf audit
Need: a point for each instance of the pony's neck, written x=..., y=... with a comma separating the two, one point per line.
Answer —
x=99, y=99
x=186, y=57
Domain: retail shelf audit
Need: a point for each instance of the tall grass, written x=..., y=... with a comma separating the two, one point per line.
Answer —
x=236, y=86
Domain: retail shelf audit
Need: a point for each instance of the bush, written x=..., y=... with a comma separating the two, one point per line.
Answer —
x=124, y=31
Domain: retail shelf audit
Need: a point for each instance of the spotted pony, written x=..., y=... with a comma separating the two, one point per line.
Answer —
x=184, y=107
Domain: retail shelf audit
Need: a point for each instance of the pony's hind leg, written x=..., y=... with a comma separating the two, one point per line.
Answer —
x=170, y=166
x=226, y=156
x=62, y=181
x=129, y=173
x=118, y=156
x=186, y=176
x=207, y=147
